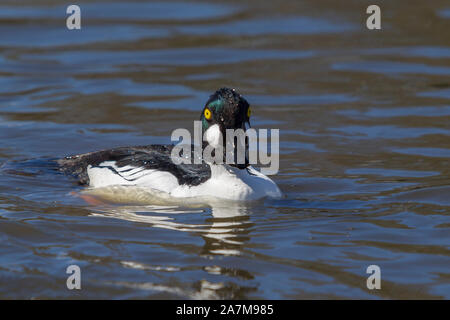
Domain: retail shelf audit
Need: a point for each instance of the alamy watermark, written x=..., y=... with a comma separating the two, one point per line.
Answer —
x=73, y=22
x=373, y=22
x=239, y=148
x=74, y=280
x=374, y=280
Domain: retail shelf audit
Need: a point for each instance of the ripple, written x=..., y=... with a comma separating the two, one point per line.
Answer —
x=427, y=152
x=131, y=11
x=284, y=26
x=390, y=68
x=443, y=93
x=412, y=51
x=423, y=111
x=445, y=13
x=43, y=36
x=388, y=132
x=104, y=60
x=391, y=172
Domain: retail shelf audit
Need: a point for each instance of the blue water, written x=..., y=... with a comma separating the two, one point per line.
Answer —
x=364, y=149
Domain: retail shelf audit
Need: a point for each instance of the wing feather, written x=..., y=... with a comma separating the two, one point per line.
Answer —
x=128, y=162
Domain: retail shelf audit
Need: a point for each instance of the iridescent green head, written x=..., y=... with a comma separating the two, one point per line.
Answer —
x=228, y=109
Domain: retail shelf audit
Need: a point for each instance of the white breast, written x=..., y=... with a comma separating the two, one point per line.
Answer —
x=232, y=183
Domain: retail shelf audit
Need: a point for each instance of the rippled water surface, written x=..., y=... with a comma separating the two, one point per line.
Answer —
x=364, y=119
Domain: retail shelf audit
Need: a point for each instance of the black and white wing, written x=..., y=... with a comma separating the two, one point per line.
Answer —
x=133, y=164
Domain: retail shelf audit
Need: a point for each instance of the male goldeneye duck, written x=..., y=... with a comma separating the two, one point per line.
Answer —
x=151, y=167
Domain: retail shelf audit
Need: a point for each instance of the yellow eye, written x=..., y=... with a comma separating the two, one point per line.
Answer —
x=249, y=112
x=207, y=114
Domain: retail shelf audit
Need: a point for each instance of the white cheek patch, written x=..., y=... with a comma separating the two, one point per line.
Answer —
x=213, y=136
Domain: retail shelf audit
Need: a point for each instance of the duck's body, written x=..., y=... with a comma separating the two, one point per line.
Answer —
x=151, y=167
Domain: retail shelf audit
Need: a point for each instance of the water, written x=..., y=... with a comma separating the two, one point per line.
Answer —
x=364, y=120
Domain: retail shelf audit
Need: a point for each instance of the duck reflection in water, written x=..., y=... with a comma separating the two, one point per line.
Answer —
x=225, y=231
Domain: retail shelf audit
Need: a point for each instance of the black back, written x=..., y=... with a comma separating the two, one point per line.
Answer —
x=146, y=157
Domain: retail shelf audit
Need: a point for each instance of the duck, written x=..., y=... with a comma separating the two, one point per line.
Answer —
x=152, y=168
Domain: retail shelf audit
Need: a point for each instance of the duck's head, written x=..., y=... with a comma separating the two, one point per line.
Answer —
x=225, y=109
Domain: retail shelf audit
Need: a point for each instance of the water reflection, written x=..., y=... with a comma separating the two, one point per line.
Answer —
x=225, y=229
x=229, y=231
